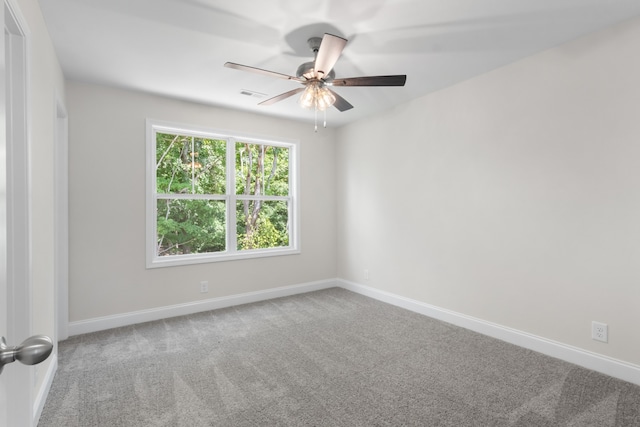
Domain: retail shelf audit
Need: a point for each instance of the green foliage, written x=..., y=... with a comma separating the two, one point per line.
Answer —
x=192, y=165
x=190, y=226
x=265, y=236
x=270, y=229
x=262, y=169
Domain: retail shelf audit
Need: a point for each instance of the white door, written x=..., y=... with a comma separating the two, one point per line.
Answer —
x=3, y=229
x=16, y=380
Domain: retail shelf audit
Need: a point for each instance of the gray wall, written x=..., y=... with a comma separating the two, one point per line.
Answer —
x=107, y=206
x=513, y=197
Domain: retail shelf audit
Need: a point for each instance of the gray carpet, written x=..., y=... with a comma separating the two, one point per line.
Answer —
x=326, y=358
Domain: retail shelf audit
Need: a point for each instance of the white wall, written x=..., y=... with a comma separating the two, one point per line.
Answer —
x=513, y=197
x=46, y=82
x=107, y=206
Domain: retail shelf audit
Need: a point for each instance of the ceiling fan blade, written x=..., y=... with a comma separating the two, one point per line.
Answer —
x=341, y=103
x=397, y=80
x=261, y=71
x=328, y=53
x=281, y=96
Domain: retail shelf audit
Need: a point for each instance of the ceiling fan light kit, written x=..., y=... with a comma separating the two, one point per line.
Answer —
x=316, y=95
x=317, y=75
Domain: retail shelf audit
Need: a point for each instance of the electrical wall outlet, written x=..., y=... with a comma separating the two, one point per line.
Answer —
x=366, y=274
x=204, y=286
x=599, y=331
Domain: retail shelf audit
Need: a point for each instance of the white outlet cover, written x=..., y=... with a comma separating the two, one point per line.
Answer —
x=600, y=331
x=204, y=286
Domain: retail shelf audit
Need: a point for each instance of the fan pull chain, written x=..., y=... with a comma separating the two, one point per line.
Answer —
x=316, y=118
x=325, y=118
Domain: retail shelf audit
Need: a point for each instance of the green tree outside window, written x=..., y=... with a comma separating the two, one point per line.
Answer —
x=193, y=198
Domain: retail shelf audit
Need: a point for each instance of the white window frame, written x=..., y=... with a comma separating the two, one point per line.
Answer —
x=231, y=252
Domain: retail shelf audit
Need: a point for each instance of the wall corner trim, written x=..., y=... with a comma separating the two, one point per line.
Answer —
x=596, y=362
x=126, y=319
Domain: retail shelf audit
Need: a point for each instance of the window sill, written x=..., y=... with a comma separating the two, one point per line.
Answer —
x=180, y=260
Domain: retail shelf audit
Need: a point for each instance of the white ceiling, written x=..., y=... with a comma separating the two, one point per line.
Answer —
x=177, y=48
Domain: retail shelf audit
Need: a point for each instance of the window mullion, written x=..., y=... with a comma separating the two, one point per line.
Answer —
x=193, y=169
x=232, y=239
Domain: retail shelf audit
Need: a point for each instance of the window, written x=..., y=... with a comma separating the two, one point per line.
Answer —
x=212, y=196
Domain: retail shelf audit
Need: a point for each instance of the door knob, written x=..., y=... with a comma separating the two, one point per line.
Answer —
x=32, y=351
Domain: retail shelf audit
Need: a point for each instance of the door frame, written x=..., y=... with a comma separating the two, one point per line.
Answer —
x=61, y=221
x=16, y=383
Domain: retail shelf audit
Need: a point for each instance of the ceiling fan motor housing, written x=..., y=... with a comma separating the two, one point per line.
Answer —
x=314, y=44
x=306, y=71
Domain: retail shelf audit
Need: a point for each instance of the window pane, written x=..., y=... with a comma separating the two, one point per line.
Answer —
x=190, y=226
x=262, y=224
x=186, y=164
x=262, y=170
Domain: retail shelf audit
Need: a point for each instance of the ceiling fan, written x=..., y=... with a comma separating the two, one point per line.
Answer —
x=318, y=75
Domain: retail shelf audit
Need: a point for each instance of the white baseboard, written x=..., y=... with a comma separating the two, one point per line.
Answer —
x=600, y=363
x=132, y=318
x=41, y=397
x=596, y=362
